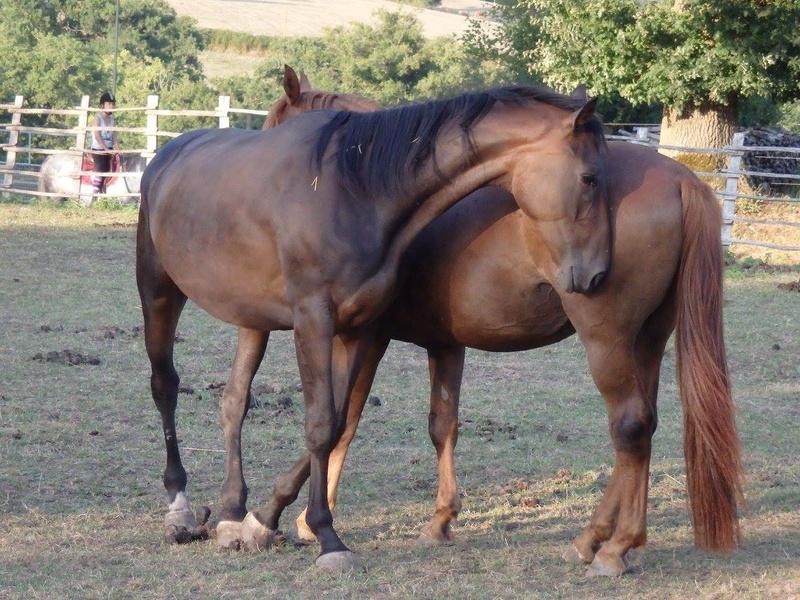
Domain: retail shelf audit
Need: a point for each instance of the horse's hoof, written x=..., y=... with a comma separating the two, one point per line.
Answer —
x=339, y=562
x=610, y=566
x=299, y=541
x=202, y=514
x=229, y=535
x=426, y=540
x=255, y=536
x=434, y=535
x=181, y=527
x=183, y=535
x=574, y=556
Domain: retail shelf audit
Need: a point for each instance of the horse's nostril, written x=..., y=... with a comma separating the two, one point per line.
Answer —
x=596, y=280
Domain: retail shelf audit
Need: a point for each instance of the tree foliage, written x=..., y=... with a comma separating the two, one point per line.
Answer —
x=390, y=62
x=682, y=56
x=53, y=52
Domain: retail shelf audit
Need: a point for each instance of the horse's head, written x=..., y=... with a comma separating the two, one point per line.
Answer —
x=562, y=187
x=300, y=97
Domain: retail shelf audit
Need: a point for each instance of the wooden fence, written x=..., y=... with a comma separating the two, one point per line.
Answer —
x=21, y=177
x=730, y=179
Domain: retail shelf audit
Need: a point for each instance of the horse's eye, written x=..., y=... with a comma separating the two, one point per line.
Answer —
x=589, y=179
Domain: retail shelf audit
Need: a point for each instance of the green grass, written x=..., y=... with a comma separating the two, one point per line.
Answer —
x=81, y=452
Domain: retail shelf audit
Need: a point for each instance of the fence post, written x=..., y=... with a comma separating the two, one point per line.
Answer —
x=151, y=127
x=13, y=139
x=222, y=110
x=731, y=186
x=83, y=123
x=642, y=135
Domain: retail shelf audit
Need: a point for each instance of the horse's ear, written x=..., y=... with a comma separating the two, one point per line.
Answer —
x=305, y=85
x=579, y=93
x=291, y=85
x=585, y=114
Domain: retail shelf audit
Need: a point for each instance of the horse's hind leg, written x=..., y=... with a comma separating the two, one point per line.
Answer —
x=162, y=303
x=233, y=410
x=627, y=376
x=446, y=367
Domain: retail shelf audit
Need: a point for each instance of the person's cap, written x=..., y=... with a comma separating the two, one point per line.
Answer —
x=107, y=97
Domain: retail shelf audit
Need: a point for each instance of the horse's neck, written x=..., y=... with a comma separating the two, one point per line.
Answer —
x=434, y=195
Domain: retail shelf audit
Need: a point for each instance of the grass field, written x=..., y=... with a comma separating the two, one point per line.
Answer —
x=81, y=451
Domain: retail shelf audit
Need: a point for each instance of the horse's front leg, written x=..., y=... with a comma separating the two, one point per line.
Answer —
x=373, y=351
x=313, y=333
x=446, y=366
x=234, y=406
x=626, y=374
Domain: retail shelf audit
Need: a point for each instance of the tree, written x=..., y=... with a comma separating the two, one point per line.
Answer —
x=701, y=59
x=390, y=62
x=48, y=68
x=52, y=52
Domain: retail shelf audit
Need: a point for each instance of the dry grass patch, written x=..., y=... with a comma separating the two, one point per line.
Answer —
x=81, y=454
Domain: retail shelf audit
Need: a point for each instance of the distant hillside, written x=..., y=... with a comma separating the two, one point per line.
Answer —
x=290, y=18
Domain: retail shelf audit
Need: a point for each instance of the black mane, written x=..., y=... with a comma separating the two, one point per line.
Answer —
x=377, y=151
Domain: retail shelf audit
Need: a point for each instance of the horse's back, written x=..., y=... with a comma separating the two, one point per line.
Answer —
x=229, y=165
x=184, y=158
x=59, y=174
x=219, y=207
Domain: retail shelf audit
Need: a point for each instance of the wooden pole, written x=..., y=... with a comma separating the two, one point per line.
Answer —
x=731, y=187
x=222, y=110
x=151, y=127
x=13, y=140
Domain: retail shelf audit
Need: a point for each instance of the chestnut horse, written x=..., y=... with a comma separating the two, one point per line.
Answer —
x=480, y=281
x=304, y=226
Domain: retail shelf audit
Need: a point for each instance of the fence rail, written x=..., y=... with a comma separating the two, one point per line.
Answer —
x=22, y=178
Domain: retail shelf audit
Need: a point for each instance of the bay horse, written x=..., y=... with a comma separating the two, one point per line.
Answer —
x=480, y=282
x=304, y=226
x=61, y=174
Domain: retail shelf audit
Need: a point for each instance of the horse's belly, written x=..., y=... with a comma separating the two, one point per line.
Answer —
x=253, y=305
x=493, y=309
x=233, y=275
x=508, y=318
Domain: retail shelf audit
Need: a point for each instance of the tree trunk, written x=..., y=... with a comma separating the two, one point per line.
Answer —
x=709, y=126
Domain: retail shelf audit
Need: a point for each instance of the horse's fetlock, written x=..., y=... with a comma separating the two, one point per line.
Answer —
x=316, y=520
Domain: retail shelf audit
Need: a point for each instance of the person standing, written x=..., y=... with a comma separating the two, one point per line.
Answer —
x=104, y=140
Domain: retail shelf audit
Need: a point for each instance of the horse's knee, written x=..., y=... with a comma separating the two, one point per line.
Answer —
x=320, y=433
x=633, y=429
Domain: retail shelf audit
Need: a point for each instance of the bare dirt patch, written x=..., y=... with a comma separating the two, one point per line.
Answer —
x=792, y=286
